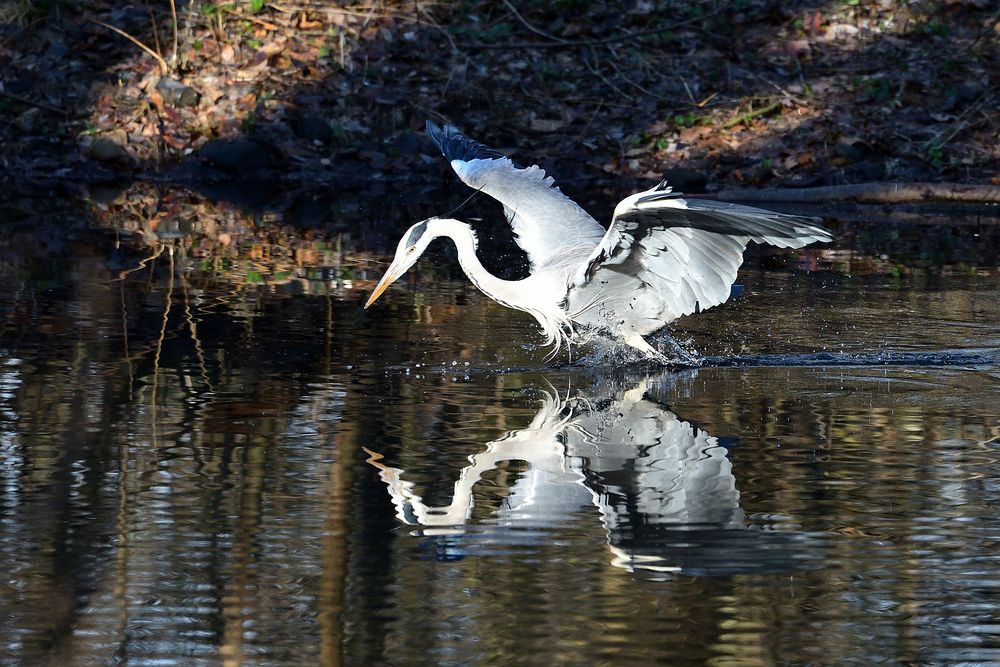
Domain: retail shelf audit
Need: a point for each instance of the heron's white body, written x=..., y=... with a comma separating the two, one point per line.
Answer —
x=662, y=257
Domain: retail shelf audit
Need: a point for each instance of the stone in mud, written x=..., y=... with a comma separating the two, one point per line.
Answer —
x=176, y=94
x=107, y=149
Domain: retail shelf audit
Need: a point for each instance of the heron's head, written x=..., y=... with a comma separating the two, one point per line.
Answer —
x=410, y=247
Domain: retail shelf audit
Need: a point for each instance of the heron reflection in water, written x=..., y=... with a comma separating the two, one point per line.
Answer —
x=662, y=257
x=664, y=489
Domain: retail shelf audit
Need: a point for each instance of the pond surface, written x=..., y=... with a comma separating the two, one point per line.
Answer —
x=212, y=455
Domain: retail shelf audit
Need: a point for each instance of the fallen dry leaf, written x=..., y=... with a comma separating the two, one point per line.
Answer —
x=156, y=99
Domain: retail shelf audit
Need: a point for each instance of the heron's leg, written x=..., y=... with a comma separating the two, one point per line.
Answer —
x=639, y=343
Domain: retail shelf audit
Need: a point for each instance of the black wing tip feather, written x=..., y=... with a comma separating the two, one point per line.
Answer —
x=762, y=222
x=456, y=146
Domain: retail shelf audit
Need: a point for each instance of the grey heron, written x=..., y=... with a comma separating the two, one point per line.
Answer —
x=663, y=256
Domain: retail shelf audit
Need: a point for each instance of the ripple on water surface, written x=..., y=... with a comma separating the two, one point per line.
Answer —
x=206, y=469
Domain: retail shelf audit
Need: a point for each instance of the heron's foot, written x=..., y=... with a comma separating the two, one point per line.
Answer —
x=681, y=355
x=639, y=343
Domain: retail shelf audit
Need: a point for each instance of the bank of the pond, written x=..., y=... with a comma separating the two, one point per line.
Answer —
x=709, y=95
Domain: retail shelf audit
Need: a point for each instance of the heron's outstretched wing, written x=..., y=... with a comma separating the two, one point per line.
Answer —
x=685, y=253
x=543, y=218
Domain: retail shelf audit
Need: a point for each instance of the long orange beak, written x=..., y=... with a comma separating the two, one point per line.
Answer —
x=389, y=278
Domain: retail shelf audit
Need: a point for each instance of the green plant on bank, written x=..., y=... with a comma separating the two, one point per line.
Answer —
x=217, y=12
x=247, y=30
x=216, y=9
x=935, y=155
x=249, y=123
x=689, y=119
x=896, y=272
x=933, y=28
x=334, y=42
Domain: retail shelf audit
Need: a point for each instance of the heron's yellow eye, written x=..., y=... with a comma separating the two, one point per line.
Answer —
x=411, y=248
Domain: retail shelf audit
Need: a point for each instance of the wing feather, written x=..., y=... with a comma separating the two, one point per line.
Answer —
x=543, y=218
x=683, y=255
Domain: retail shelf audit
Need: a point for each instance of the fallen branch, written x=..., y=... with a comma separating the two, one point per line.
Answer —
x=32, y=103
x=524, y=22
x=948, y=214
x=870, y=193
x=569, y=44
x=164, y=68
x=745, y=118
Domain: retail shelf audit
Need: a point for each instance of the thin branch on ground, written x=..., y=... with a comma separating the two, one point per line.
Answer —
x=32, y=103
x=159, y=59
x=524, y=22
x=870, y=193
x=598, y=42
x=750, y=115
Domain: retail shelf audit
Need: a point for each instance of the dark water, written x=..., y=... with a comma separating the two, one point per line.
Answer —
x=212, y=455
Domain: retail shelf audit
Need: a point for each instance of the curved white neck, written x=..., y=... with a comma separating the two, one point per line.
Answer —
x=535, y=294
x=507, y=292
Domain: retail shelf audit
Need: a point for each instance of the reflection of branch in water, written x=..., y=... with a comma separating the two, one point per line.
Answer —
x=664, y=489
x=193, y=328
x=143, y=262
x=126, y=355
x=12, y=312
x=167, y=305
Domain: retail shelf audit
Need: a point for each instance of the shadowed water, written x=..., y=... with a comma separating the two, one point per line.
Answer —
x=210, y=454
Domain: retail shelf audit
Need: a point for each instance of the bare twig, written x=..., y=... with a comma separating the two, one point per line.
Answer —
x=744, y=117
x=570, y=44
x=960, y=124
x=596, y=71
x=530, y=27
x=687, y=89
x=870, y=193
x=159, y=59
x=32, y=103
x=590, y=122
x=784, y=91
x=267, y=25
x=173, y=17
x=156, y=31
x=437, y=26
x=640, y=88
